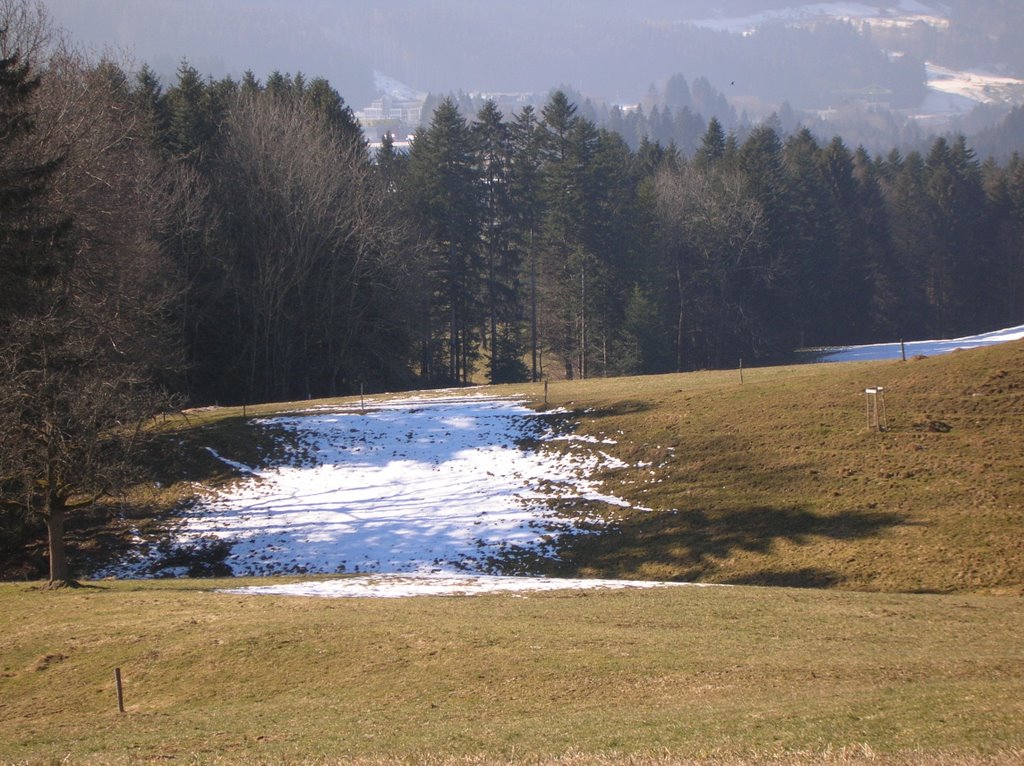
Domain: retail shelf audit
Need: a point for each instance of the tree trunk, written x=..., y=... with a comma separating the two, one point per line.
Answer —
x=679, y=321
x=453, y=318
x=492, y=309
x=533, y=311
x=54, y=513
x=60, y=574
x=583, y=322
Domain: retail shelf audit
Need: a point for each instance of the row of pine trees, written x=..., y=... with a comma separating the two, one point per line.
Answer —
x=536, y=244
x=554, y=249
x=301, y=263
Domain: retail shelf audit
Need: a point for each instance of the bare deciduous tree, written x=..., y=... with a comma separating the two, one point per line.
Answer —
x=28, y=30
x=715, y=229
x=79, y=356
x=315, y=254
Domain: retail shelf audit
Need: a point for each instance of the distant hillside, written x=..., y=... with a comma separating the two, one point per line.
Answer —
x=867, y=82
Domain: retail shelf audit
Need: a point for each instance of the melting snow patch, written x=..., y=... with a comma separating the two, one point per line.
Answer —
x=881, y=351
x=240, y=467
x=583, y=438
x=419, y=484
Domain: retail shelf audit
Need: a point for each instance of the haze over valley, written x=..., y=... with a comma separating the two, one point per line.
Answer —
x=881, y=74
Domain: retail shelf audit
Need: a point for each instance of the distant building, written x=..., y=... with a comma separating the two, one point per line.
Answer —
x=388, y=109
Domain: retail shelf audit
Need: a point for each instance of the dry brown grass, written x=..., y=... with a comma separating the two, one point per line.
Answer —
x=772, y=482
x=856, y=756
x=779, y=482
x=741, y=675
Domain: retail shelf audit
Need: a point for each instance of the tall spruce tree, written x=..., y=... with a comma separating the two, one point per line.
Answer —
x=850, y=318
x=566, y=263
x=493, y=148
x=1010, y=272
x=526, y=202
x=616, y=241
x=712, y=144
x=30, y=238
x=813, y=253
x=876, y=248
x=913, y=243
x=190, y=119
x=444, y=189
x=151, y=105
x=960, y=236
x=766, y=285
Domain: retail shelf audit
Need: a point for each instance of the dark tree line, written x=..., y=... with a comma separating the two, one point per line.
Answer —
x=217, y=241
x=235, y=241
x=289, y=256
x=611, y=261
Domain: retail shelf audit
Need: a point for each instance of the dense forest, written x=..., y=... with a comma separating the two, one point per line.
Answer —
x=223, y=241
x=541, y=245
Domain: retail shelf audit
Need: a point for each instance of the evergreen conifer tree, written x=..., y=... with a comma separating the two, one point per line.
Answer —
x=30, y=239
x=526, y=202
x=444, y=191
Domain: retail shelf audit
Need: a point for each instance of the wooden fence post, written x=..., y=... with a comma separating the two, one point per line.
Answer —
x=120, y=690
x=874, y=403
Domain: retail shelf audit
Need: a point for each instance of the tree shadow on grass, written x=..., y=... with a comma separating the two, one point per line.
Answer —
x=807, y=577
x=566, y=421
x=693, y=545
x=624, y=407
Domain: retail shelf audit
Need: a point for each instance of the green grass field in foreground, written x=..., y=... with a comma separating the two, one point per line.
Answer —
x=643, y=677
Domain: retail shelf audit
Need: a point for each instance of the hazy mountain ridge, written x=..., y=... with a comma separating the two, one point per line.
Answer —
x=850, y=62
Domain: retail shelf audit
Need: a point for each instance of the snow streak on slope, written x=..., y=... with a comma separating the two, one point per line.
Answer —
x=906, y=13
x=419, y=584
x=389, y=86
x=418, y=485
x=881, y=351
x=954, y=91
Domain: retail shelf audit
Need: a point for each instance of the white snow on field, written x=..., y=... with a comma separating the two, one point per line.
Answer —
x=905, y=13
x=882, y=351
x=426, y=494
x=420, y=584
x=417, y=485
x=952, y=91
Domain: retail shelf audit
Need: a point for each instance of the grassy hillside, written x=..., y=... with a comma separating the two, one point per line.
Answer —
x=775, y=481
x=747, y=675
x=778, y=480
